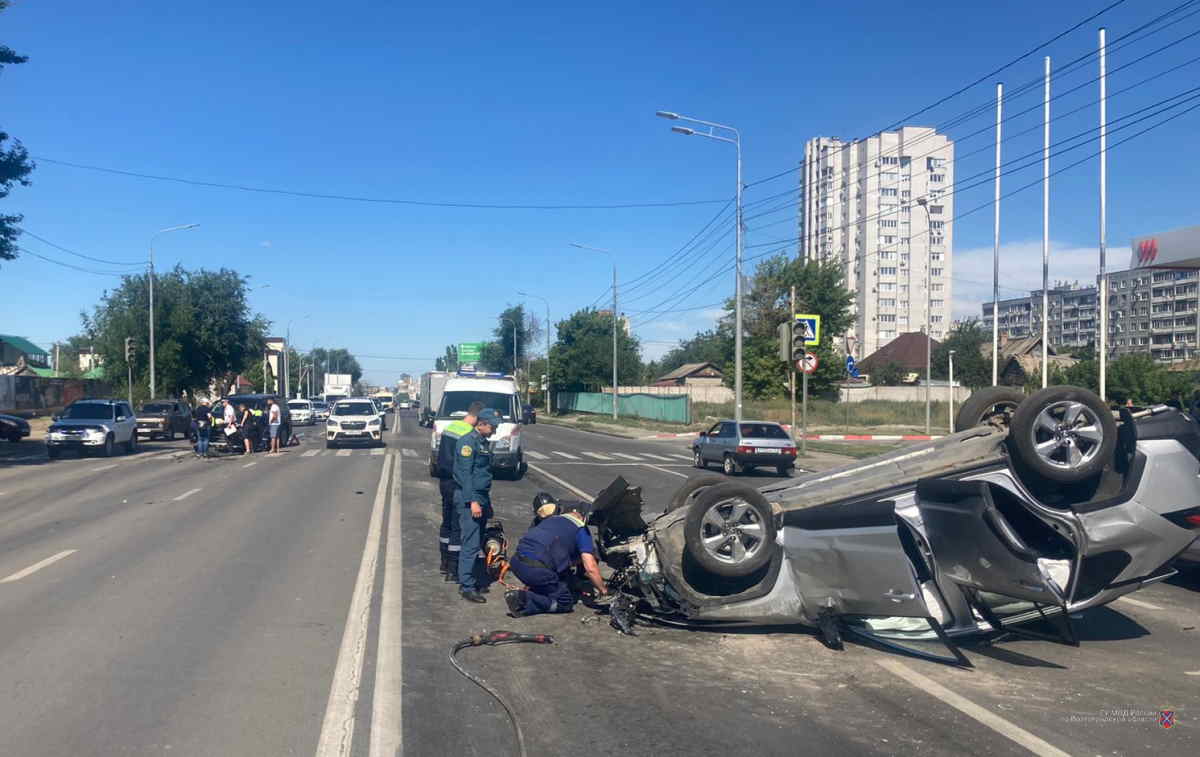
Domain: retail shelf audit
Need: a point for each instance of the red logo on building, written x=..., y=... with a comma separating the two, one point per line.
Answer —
x=1147, y=251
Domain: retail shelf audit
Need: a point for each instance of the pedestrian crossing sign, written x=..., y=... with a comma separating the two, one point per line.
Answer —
x=809, y=326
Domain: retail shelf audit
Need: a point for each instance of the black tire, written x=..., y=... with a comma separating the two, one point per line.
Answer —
x=53, y=452
x=16, y=437
x=131, y=445
x=109, y=445
x=784, y=470
x=993, y=404
x=721, y=503
x=683, y=495
x=698, y=461
x=729, y=466
x=1046, y=417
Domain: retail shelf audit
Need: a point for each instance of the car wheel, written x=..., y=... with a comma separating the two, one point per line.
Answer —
x=693, y=488
x=16, y=437
x=53, y=452
x=729, y=465
x=730, y=530
x=993, y=405
x=784, y=470
x=131, y=445
x=433, y=471
x=697, y=460
x=1064, y=434
x=108, y=446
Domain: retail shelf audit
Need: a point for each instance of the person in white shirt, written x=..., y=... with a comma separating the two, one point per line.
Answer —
x=274, y=422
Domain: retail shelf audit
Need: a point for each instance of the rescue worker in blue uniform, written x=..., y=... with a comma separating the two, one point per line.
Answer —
x=449, y=536
x=473, y=476
x=544, y=559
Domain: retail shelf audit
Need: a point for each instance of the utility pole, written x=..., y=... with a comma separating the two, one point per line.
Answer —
x=951, y=391
x=129, y=366
x=792, y=363
x=614, y=381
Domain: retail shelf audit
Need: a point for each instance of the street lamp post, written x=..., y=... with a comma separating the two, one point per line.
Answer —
x=736, y=141
x=543, y=299
x=614, y=288
x=286, y=363
x=952, y=391
x=154, y=236
x=924, y=203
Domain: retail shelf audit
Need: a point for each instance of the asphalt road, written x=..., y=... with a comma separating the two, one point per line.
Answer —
x=171, y=605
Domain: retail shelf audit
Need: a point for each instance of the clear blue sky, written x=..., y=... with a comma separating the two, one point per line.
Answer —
x=549, y=104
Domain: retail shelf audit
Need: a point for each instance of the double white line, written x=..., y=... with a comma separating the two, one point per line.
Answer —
x=337, y=730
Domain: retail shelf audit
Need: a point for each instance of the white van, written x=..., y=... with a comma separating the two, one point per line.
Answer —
x=494, y=390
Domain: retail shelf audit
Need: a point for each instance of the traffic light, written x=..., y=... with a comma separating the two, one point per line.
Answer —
x=128, y=349
x=784, y=331
x=799, y=337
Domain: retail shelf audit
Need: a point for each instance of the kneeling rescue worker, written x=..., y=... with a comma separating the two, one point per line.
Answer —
x=544, y=559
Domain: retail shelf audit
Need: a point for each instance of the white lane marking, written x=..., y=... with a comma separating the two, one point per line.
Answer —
x=38, y=566
x=967, y=707
x=1191, y=672
x=185, y=495
x=576, y=491
x=337, y=730
x=249, y=465
x=104, y=467
x=664, y=458
x=564, y=454
x=627, y=457
x=408, y=452
x=664, y=470
x=378, y=451
x=311, y=453
x=344, y=452
x=387, y=712
x=535, y=455
x=597, y=455
x=1138, y=603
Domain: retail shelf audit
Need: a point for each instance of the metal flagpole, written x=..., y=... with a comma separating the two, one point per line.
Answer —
x=615, y=400
x=996, y=247
x=1103, y=300
x=1046, y=231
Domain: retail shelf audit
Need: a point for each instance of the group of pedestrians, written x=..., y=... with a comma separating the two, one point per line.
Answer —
x=547, y=556
x=246, y=421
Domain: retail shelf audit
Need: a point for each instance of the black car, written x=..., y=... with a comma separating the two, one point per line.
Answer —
x=164, y=418
x=528, y=413
x=12, y=428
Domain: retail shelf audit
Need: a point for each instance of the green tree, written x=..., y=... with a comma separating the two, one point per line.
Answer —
x=581, y=359
x=971, y=368
x=712, y=346
x=204, y=330
x=498, y=354
x=333, y=360
x=888, y=374
x=448, y=362
x=15, y=165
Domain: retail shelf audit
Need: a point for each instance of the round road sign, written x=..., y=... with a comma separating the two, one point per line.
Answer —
x=807, y=364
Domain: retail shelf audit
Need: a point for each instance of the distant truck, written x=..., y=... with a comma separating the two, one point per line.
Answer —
x=337, y=386
x=432, y=385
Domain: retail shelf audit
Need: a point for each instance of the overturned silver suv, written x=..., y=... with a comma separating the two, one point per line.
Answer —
x=1047, y=505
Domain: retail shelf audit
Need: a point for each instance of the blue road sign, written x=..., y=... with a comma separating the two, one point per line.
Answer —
x=851, y=366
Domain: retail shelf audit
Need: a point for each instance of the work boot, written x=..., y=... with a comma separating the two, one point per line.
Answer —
x=472, y=596
x=445, y=567
x=515, y=600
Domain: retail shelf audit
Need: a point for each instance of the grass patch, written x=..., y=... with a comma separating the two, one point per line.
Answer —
x=867, y=415
x=852, y=449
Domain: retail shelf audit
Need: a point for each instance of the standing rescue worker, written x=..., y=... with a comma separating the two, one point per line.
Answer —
x=544, y=559
x=449, y=539
x=473, y=476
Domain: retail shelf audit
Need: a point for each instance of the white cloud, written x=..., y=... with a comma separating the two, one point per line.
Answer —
x=1021, y=271
x=265, y=243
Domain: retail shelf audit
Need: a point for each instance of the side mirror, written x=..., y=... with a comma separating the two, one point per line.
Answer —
x=703, y=434
x=120, y=418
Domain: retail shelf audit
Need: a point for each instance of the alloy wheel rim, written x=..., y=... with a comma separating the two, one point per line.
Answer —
x=732, y=532
x=1067, y=435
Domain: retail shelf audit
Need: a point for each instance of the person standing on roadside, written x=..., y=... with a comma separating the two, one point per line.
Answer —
x=449, y=535
x=274, y=423
x=202, y=416
x=473, y=475
x=248, y=428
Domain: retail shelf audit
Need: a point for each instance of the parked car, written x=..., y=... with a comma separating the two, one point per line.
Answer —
x=741, y=448
x=164, y=418
x=302, y=412
x=528, y=413
x=354, y=421
x=1036, y=516
x=320, y=411
x=13, y=428
x=93, y=424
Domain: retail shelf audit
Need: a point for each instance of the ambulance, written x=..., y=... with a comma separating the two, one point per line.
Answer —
x=494, y=390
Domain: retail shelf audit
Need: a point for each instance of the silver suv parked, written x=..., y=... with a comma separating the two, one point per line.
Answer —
x=93, y=424
x=741, y=448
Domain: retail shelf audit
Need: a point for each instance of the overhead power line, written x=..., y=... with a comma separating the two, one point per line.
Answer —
x=28, y=251
x=60, y=248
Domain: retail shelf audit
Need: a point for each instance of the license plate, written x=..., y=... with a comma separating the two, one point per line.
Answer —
x=768, y=451
x=353, y=433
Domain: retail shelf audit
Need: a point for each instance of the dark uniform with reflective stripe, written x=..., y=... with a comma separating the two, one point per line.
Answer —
x=473, y=477
x=543, y=562
x=449, y=535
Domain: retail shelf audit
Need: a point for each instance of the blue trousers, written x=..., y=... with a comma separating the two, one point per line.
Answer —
x=202, y=436
x=470, y=535
x=546, y=591
x=450, y=534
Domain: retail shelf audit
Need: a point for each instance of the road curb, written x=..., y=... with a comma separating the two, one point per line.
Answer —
x=829, y=437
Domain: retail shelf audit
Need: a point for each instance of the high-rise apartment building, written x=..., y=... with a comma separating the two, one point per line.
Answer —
x=860, y=209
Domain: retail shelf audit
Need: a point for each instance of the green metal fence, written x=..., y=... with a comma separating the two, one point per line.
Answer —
x=670, y=408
